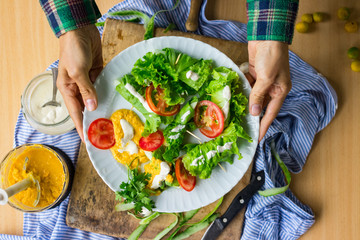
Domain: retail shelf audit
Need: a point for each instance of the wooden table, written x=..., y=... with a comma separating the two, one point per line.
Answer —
x=328, y=183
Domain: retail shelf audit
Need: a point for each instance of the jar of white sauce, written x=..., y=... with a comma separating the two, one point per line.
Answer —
x=49, y=119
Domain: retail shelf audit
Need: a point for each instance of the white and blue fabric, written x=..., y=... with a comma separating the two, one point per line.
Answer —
x=309, y=107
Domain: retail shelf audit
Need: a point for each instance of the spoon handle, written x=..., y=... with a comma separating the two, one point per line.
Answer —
x=5, y=194
x=55, y=74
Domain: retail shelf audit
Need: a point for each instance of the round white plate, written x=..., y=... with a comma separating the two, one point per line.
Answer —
x=114, y=173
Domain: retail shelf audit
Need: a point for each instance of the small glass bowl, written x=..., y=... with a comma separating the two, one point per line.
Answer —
x=5, y=166
x=58, y=128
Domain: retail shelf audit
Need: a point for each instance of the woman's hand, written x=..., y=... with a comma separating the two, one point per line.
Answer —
x=80, y=62
x=269, y=66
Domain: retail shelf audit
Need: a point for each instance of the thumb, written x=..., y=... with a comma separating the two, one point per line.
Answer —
x=87, y=91
x=258, y=95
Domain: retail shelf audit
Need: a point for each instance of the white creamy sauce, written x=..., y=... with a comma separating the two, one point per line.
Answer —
x=227, y=96
x=142, y=100
x=193, y=105
x=131, y=148
x=198, y=161
x=128, y=132
x=178, y=128
x=164, y=171
x=145, y=212
x=174, y=136
x=148, y=154
x=42, y=94
x=227, y=146
x=185, y=115
x=211, y=154
x=192, y=75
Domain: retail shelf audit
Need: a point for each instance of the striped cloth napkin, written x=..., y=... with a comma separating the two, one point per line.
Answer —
x=309, y=107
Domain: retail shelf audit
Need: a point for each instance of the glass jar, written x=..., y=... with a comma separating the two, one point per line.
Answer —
x=49, y=119
x=15, y=155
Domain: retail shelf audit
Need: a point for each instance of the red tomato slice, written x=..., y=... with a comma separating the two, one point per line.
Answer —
x=154, y=98
x=152, y=142
x=209, y=118
x=101, y=133
x=185, y=179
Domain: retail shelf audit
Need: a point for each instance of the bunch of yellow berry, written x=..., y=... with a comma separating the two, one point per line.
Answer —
x=354, y=54
x=307, y=19
x=344, y=14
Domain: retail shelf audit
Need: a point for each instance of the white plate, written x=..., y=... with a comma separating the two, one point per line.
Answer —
x=113, y=173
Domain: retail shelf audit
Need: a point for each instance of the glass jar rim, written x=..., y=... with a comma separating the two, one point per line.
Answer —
x=26, y=107
x=66, y=169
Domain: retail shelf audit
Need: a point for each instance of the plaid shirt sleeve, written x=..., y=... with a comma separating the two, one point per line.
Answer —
x=271, y=19
x=67, y=15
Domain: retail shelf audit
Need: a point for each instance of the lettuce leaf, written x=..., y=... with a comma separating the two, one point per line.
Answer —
x=202, y=68
x=155, y=68
x=153, y=120
x=174, y=133
x=200, y=162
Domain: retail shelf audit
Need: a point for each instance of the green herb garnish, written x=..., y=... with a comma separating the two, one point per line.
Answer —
x=134, y=191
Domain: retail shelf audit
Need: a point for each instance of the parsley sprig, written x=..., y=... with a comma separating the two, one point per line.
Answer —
x=134, y=191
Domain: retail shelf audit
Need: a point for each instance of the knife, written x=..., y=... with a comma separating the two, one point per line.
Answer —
x=240, y=200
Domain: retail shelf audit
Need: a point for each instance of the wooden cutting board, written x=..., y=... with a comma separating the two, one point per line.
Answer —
x=91, y=205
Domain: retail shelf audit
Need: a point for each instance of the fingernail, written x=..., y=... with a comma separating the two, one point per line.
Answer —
x=90, y=104
x=255, y=109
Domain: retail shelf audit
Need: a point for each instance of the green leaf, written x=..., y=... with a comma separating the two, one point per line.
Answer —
x=210, y=213
x=167, y=229
x=171, y=26
x=100, y=24
x=199, y=163
x=135, y=192
x=138, y=231
x=153, y=120
x=148, y=219
x=278, y=190
x=196, y=227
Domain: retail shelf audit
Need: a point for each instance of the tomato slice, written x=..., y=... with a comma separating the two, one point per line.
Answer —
x=101, y=133
x=155, y=99
x=209, y=118
x=152, y=142
x=185, y=179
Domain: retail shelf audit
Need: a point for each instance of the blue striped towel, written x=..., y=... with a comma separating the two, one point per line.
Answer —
x=308, y=108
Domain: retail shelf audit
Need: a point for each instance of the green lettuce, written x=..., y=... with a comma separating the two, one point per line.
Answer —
x=174, y=133
x=155, y=68
x=197, y=160
x=202, y=68
x=153, y=120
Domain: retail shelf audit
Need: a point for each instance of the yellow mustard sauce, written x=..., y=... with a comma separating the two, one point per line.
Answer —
x=46, y=168
x=124, y=157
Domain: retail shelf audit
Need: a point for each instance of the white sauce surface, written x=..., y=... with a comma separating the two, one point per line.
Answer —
x=211, y=154
x=227, y=146
x=198, y=161
x=128, y=132
x=164, y=171
x=227, y=96
x=183, y=117
x=42, y=94
x=174, y=136
x=131, y=148
x=142, y=100
x=192, y=75
x=178, y=128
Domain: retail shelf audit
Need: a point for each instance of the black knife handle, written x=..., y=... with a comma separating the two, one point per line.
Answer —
x=243, y=197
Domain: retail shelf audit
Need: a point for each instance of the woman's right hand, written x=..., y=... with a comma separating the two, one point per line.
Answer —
x=80, y=63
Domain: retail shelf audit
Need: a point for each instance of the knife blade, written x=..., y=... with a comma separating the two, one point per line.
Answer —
x=240, y=200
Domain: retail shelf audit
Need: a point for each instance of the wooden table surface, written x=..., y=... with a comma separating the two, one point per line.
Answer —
x=329, y=181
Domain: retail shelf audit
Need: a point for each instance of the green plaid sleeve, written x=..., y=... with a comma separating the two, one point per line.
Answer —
x=271, y=19
x=67, y=15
